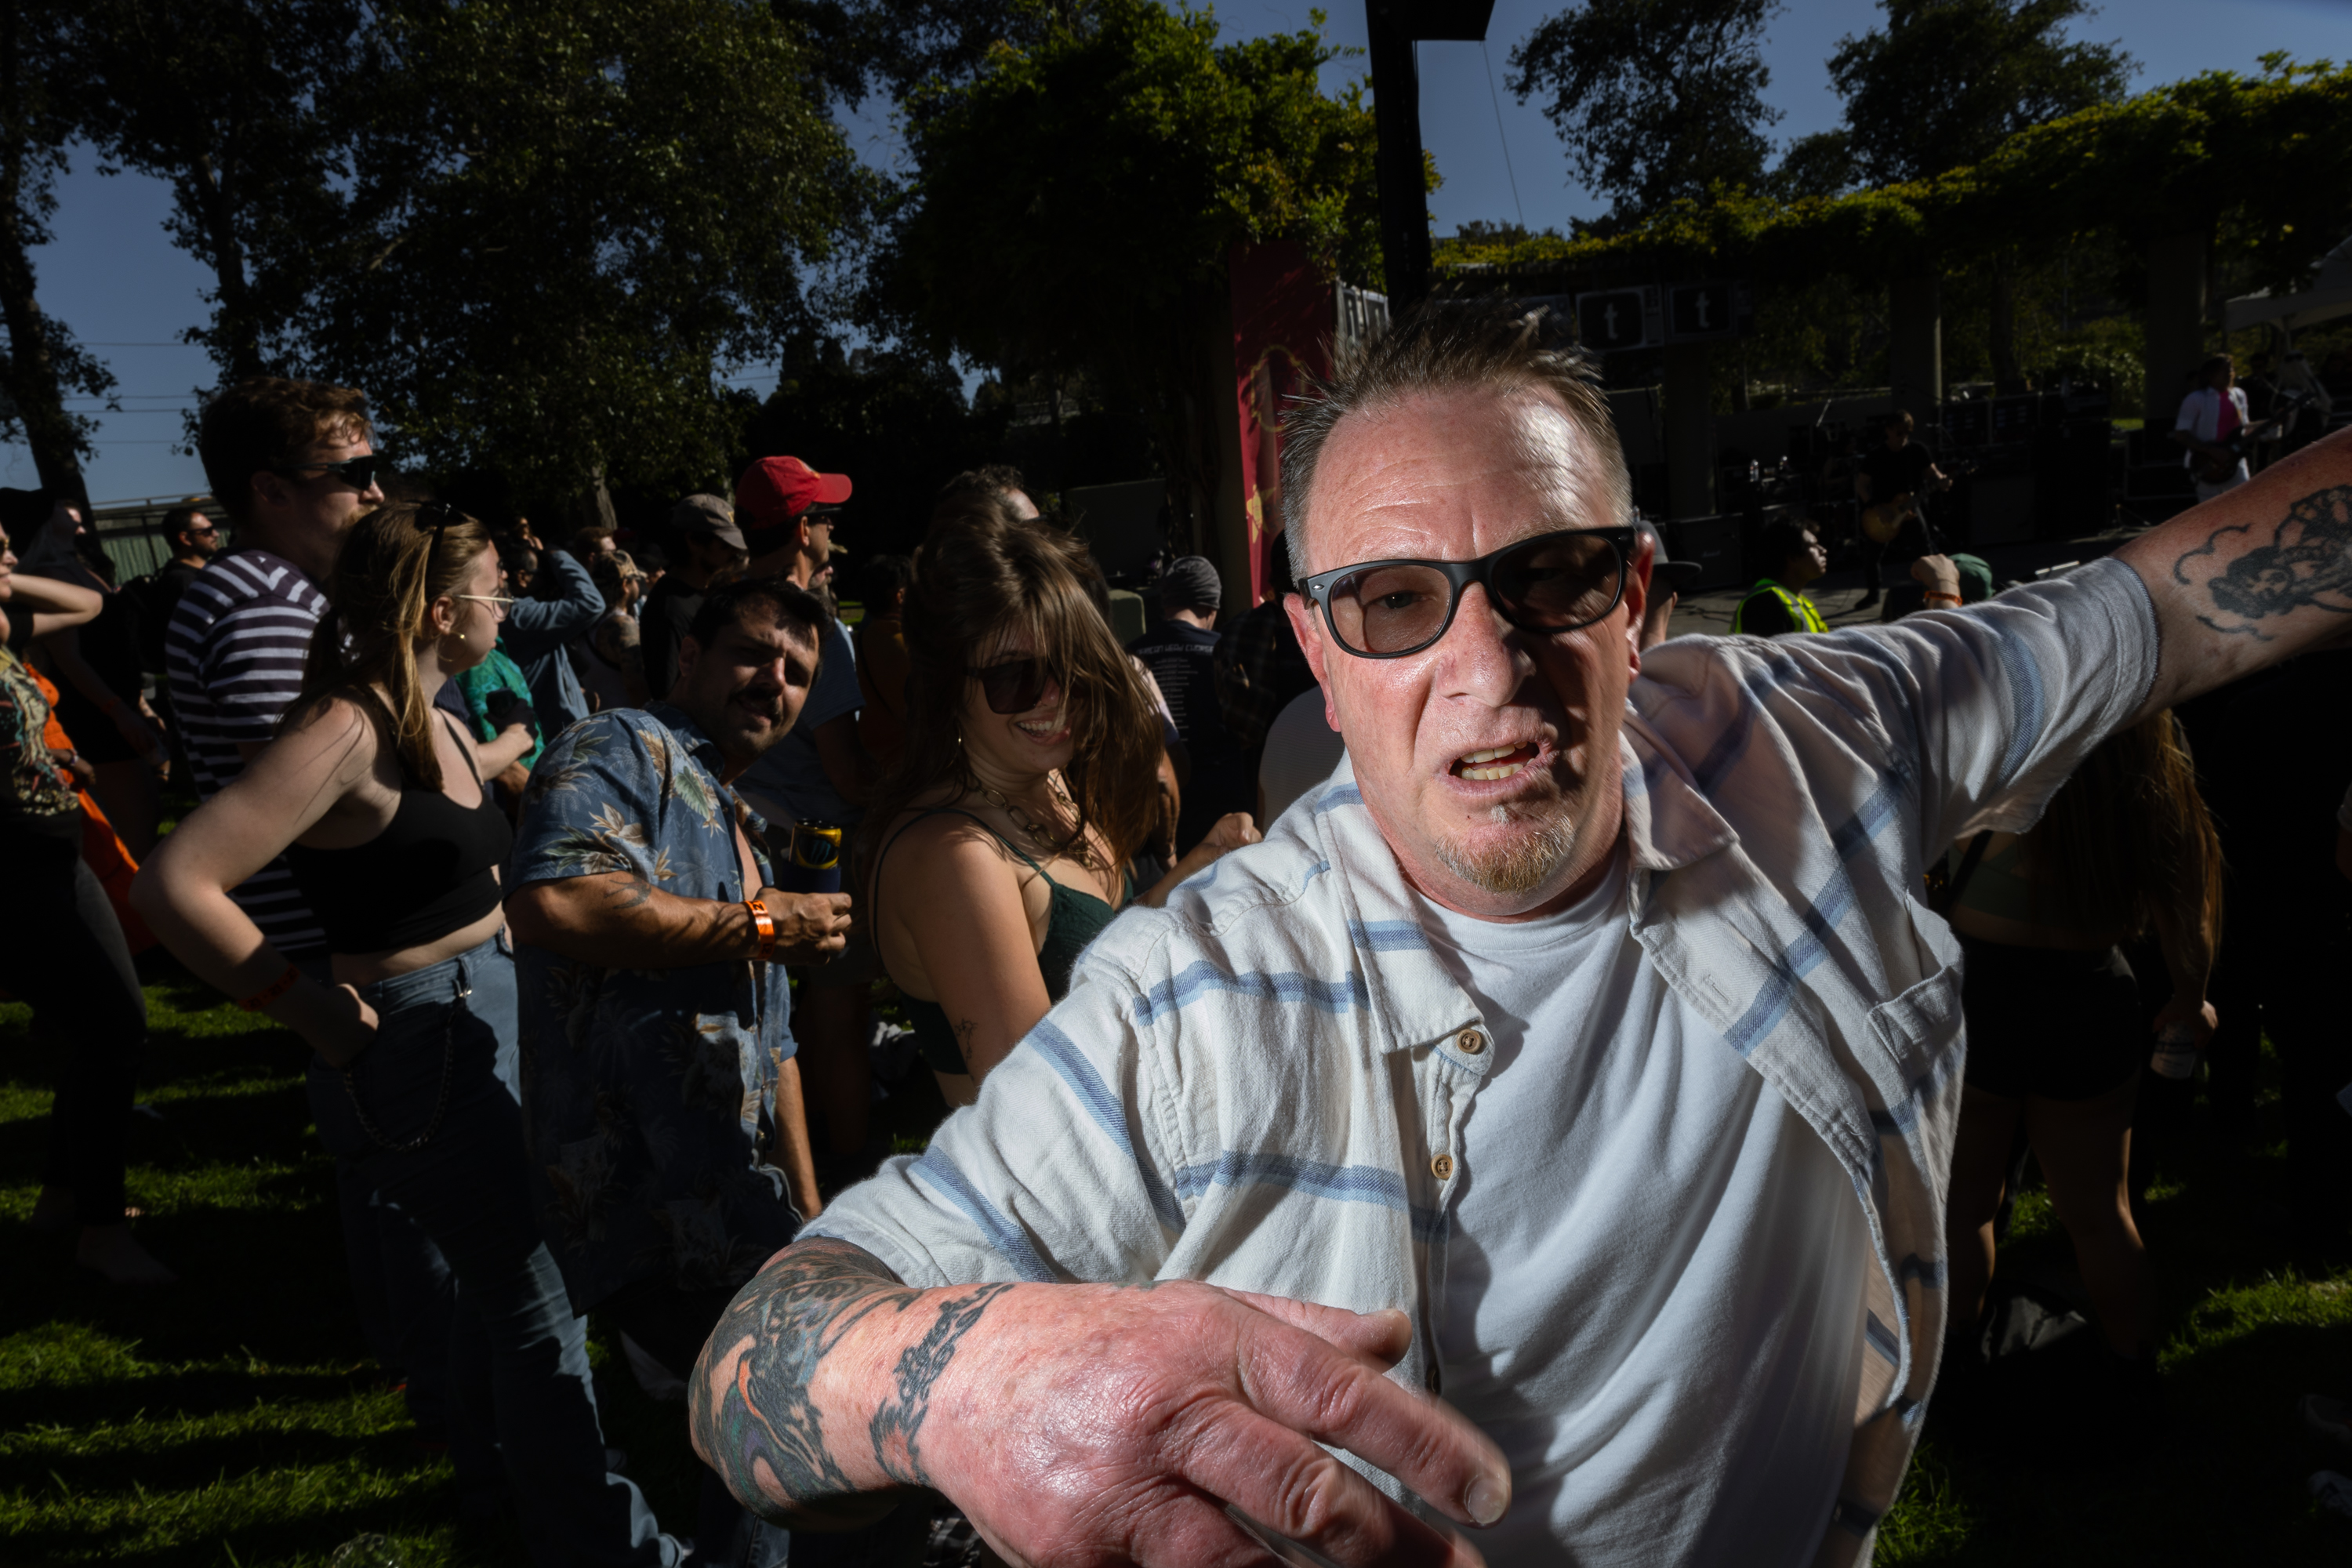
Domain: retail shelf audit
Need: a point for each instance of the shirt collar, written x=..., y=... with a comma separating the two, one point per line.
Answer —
x=703, y=750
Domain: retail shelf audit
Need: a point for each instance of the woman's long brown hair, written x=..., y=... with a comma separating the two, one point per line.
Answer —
x=394, y=561
x=981, y=575
x=2127, y=834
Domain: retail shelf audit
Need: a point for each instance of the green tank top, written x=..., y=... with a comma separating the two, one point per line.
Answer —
x=1073, y=919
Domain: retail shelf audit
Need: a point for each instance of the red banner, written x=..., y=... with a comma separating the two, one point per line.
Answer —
x=1284, y=317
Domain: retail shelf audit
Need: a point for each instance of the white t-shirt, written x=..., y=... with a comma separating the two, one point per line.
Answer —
x=1629, y=1182
x=2201, y=416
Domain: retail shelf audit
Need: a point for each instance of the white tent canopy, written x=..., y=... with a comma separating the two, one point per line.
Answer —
x=2329, y=297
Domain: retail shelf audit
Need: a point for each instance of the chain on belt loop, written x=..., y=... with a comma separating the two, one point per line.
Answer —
x=441, y=1105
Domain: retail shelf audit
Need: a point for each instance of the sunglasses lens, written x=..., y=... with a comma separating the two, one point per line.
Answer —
x=1562, y=580
x=1390, y=609
x=1013, y=687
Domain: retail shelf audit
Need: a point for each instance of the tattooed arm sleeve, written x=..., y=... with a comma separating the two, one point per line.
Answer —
x=793, y=1406
x=2252, y=577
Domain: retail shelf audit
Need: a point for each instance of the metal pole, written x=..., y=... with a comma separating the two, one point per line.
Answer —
x=1397, y=166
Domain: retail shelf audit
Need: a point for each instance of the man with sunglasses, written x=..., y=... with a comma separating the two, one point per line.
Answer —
x=293, y=464
x=1585, y=1033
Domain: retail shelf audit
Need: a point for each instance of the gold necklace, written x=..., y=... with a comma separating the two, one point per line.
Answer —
x=1074, y=845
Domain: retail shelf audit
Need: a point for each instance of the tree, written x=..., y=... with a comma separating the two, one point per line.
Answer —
x=566, y=219
x=1072, y=207
x=230, y=103
x=42, y=360
x=1949, y=80
x=1657, y=100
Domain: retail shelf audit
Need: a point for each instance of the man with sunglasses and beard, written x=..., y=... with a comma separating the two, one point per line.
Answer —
x=661, y=1091
x=1549, y=1121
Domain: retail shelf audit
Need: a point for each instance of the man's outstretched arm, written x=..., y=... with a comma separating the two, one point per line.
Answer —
x=2252, y=577
x=1080, y=1424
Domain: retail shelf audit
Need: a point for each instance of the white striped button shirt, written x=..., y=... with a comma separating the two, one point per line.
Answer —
x=1255, y=1086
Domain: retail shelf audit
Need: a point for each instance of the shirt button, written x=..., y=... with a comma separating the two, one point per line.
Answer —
x=1442, y=1167
x=1471, y=1042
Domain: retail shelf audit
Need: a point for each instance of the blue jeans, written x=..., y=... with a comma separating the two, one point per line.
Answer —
x=427, y=1116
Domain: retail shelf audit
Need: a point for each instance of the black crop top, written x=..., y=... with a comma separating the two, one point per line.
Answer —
x=428, y=873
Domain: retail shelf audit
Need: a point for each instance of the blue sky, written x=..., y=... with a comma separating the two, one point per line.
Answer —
x=114, y=277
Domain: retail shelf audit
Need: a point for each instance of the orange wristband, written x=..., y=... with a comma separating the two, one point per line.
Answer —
x=273, y=990
x=1935, y=597
x=766, y=925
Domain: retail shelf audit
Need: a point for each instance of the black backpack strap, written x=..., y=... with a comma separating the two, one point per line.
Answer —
x=1946, y=898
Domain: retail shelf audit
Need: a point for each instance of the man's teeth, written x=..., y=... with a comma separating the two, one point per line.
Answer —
x=1471, y=766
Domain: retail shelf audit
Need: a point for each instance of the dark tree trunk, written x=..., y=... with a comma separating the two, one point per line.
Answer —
x=234, y=338
x=28, y=369
x=2008, y=377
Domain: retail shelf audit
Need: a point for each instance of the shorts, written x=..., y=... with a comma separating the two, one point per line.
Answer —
x=2049, y=1023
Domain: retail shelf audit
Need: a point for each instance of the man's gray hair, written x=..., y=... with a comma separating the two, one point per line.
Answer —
x=1449, y=348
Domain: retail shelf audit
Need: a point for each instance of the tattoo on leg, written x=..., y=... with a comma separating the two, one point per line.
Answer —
x=898, y=1423
x=964, y=1030
x=2307, y=564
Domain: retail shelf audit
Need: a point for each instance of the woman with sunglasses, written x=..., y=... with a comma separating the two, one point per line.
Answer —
x=61, y=948
x=377, y=801
x=1029, y=779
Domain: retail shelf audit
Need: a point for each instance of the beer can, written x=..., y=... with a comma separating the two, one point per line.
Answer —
x=815, y=865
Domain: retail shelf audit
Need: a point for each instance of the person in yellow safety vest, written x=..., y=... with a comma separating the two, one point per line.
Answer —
x=1778, y=604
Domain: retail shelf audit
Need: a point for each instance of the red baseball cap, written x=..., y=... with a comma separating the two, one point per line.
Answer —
x=774, y=491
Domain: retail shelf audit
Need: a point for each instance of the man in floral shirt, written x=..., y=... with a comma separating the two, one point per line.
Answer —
x=659, y=1094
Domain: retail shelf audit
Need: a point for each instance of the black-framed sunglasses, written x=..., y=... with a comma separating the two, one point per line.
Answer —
x=1552, y=582
x=360, y=473
x=1015, y=686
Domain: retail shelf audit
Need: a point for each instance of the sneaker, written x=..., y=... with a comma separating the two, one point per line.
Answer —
x=2327, y=1417
x=2331, y=1492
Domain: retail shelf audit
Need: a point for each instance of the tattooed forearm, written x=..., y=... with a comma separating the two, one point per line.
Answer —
x=897, y=1424
x=759, y=1427
x=2239, y=581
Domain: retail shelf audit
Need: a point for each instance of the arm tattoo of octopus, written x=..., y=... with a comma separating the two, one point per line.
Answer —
x=2306, y=562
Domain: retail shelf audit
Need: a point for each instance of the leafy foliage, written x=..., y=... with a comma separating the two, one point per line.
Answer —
x=1657, y=100
x=1949, y=80
x=566, y=217
x=1072, y=206
x=42, y=360
x=230, y=103
x=1076, y=187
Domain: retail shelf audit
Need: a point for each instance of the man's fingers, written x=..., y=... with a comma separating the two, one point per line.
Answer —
x=1294, y=1378
x=1288, y=1486
x=1384, y=1336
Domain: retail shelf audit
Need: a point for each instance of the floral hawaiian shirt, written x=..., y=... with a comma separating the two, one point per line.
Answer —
x=644, y=1090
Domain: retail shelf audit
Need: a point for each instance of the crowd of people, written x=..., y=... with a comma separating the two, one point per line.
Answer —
x=579, y=868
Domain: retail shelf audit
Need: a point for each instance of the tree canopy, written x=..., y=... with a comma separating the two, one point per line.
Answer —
x=565, y=218
x=1657, y=100
x=1072, y=205
x=2264, y=161
x=1948, y=81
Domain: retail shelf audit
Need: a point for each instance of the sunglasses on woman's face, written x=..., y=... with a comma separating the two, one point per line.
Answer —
x=1552, y=582
x=1015, y=686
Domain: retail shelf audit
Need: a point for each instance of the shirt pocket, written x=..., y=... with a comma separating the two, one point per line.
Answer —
x=1919, y=1031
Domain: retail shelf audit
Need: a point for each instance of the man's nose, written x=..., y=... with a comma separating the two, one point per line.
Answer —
x=1480, y=658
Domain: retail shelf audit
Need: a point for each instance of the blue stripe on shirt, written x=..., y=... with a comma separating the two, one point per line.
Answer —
x=1009, y=1241
x=1341, y=1183
x=1106, y=1110
x=1202, y=978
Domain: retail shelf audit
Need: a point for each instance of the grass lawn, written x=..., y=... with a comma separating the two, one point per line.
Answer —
x=234, y=1419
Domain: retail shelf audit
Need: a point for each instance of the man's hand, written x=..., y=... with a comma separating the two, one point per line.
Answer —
x=810, y=927
x=1939, y=573
x=1082, y=1424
